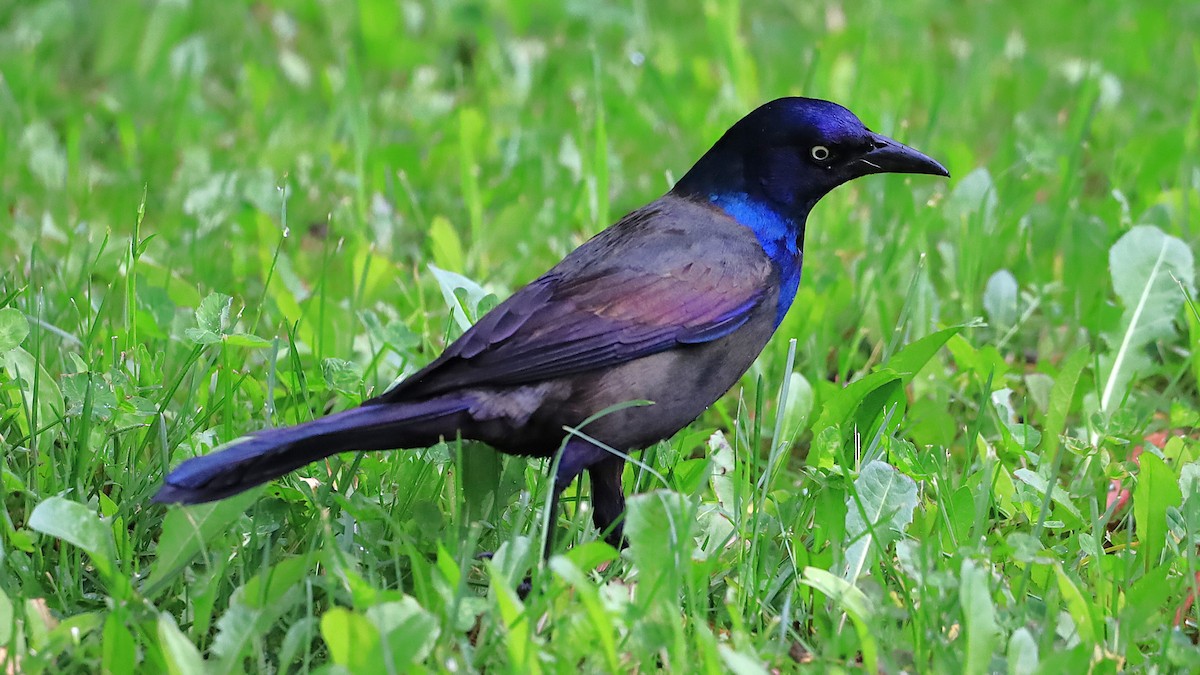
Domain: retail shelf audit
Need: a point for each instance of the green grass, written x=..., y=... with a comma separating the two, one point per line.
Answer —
x=219, y=217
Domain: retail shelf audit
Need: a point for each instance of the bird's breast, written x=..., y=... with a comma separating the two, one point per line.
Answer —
x=780, y=237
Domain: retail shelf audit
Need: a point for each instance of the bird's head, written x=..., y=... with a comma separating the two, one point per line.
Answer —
x=792, y=151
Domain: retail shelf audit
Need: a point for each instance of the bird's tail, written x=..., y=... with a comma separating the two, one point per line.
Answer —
x=269, y=454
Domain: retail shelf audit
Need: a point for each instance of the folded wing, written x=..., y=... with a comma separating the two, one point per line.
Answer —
x=580, y=317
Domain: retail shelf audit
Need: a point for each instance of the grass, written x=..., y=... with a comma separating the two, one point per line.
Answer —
x=222, y=217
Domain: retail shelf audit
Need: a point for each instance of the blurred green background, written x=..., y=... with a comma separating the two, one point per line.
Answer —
x=221, y=216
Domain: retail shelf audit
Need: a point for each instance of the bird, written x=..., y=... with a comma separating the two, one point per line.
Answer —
x=666, y=309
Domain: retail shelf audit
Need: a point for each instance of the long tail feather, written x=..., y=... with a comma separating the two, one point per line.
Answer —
x=269, y=454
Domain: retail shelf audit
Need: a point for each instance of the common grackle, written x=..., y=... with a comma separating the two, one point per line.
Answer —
x=670, y=305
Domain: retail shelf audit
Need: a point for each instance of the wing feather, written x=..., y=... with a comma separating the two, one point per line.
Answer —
x=626, y=298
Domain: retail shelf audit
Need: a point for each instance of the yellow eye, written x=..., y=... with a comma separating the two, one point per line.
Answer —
x=820, y=153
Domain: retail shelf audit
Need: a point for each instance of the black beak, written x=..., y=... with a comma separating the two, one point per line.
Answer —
x=888, y=156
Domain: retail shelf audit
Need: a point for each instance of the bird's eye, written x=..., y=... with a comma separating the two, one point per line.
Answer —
x=820, y=153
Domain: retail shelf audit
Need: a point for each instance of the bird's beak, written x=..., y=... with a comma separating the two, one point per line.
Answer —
x=889, y=156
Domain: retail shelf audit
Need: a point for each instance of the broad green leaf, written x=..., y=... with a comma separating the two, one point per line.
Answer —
x=341, y=374
x=854, y=603
x=885, y=504
x=1189, y=480
x=6, y=618
x=1145, y=600
x=798, y=411
x=118, y=650
x=21, y=366
x=658, y=525
x=877, y=416
x=1061, y=395
x=1022, y=653
x=63, y=638
x=1077, y=606
x=213, y=313
x=1139, y=260
x=1148, y=267
x=739, y=663
x=463, y=296
x=603, y=625
x=1039, y=387
x=842, y=405
x=92, y=389
x=979, y=617
x=912, y=358
x=254, y=608
x=1001, y=298
x=445, y=246
x=908, y=557
x=409, y=632
x=1058, y=495
x=715, y=522
x=861, y=405
x=960, y=510
x=592, y=554
x=511, y=560
x=823, y=452
x=201, y=336
x=521, y=639
x=76, y=524
x=185, y=530
x=267, y=588
x=847, y=596
x=1023, y=435
x=985, y=361
x=720, y=454
x=481, y=475
x=13, y=328
x=181, y=655
x=38, y=623
x=246, y=340
x=1157, y=490
x=352, y=639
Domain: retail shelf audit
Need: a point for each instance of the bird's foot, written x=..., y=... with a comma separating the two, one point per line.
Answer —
x=523, y=588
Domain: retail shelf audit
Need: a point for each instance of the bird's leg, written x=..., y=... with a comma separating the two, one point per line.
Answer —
x=576, y=456
x=608, y=500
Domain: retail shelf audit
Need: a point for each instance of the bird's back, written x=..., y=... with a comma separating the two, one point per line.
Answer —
x=664, y=275
x=669, y=305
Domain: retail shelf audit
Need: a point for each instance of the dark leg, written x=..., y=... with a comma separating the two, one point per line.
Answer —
x=576, y=456
x=608, y=499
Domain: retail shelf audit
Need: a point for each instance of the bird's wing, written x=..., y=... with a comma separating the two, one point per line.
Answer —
x=608, y=310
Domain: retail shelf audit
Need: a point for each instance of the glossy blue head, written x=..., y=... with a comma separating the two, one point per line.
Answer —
x=771, y=167
x=790, y=152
